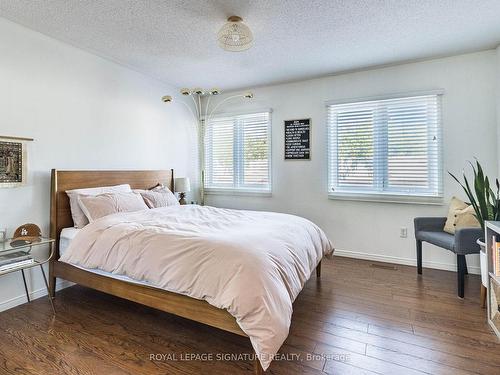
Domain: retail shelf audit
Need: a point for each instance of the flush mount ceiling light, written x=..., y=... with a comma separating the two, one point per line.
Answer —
x=235, y=36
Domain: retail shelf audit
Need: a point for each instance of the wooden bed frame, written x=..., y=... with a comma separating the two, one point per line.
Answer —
x=177, y=304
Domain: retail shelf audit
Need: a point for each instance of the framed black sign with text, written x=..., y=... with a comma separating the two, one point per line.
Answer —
x=298, y=139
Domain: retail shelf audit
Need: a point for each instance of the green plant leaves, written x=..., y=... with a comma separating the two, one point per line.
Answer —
x=485, y=202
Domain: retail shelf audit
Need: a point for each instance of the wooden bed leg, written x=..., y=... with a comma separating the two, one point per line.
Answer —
x=257, y=368
x=318, y=270
x=52, y=287
x=483, y=296
x=52, y=282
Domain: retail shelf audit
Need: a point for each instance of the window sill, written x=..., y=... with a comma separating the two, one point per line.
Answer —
x=387, y=198
x=247, y=193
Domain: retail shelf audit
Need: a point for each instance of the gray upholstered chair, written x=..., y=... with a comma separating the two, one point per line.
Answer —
x=430, y=229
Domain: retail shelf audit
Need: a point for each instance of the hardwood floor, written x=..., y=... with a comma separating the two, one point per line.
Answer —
x=360, y=318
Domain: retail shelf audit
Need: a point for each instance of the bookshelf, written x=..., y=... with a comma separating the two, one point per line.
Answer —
x=493, y=297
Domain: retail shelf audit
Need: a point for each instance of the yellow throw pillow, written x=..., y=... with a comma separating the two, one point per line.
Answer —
x=455, y=205
x=466, y=218
x=460, y=215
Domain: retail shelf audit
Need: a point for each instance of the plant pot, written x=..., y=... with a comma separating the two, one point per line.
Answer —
x=482, y=262
x=482, y=244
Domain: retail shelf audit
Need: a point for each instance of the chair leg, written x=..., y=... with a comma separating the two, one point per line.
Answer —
x=461, y=274
x=419, y=257
x=465, y=265
x=318, y=270
x=483, y=296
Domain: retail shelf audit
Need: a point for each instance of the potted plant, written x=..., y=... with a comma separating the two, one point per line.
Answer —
x=484, y=200
x=486, y=206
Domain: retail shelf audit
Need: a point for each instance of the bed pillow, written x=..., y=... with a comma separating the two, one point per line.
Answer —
x=95, y=207
x=460, y=215
x=159, y=196
x=79, y=218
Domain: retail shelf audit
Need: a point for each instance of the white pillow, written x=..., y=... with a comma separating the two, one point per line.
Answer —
x=95, y=207
x=79, y=218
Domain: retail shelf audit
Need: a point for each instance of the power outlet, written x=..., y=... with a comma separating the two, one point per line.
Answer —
x=403, y=232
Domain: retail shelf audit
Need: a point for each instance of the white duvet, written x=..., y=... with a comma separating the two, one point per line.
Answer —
x=253, y=264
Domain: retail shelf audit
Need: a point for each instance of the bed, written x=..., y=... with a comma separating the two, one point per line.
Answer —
x=192, y=306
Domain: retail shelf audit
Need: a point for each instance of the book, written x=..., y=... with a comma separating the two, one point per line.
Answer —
x=496, y=257
x=16, y=254
x=13, y=260
x=16, y=264
x=493, y=253
x=13, y=257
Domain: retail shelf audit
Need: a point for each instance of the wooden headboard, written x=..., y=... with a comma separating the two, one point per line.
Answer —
x=60, y=213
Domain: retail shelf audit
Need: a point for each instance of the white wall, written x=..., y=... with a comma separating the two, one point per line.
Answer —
x=364, y=229
x=84, y=112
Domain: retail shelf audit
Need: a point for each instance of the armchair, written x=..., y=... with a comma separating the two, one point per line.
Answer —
x=430, y=229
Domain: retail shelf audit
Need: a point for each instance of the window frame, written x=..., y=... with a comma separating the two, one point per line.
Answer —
x=389, y=195
x=238, y=162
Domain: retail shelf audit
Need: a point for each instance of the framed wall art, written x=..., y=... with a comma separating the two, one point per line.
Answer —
x=298, y=139
x=13, y=161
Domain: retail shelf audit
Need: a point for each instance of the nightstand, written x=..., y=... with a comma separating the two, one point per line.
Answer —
x=20, y=258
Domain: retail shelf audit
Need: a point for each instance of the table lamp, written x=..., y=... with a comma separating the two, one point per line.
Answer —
x=182, y=186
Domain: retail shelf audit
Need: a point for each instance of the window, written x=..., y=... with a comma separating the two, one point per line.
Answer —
x=386, y=149
x=238, y=153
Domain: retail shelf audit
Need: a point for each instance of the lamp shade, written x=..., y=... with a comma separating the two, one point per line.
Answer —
x=235, y=36
x=182, y=185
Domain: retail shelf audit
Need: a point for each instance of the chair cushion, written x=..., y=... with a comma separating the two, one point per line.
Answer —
x=440, y=239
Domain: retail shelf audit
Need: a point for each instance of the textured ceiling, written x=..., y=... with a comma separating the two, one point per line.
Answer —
x=175, y=41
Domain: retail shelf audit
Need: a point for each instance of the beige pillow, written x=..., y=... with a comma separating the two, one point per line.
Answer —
x=79, y=218
x=160, y=196
x=460, y=215
x=102, y=205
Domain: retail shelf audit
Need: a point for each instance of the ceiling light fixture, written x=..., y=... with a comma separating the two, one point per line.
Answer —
x=235, y=36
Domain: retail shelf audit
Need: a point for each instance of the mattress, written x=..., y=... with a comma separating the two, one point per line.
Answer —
x=67, y=235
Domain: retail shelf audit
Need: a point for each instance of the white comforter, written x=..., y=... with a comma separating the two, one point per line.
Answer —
x=253, y=264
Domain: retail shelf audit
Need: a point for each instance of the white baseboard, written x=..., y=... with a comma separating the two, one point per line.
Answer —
x=19, y=300
x=405, y=261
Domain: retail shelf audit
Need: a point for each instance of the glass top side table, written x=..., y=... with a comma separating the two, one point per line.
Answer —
x=20, y=258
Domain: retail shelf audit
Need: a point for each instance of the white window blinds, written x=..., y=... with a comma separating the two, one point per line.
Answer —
x=238, y=153
x=386, y=147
